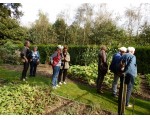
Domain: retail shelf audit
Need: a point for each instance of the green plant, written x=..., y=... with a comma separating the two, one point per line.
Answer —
x=9, y=53
x=148, y=78
x=137, y=84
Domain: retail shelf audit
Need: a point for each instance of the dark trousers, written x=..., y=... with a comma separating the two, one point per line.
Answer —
x=25, y=69
x=33, y=66
x=99, y=80
x=64, y=72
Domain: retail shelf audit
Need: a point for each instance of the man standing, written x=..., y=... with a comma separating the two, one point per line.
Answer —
x=102, y=68
x=25, y=55
x=130, y=72
x=113, y=68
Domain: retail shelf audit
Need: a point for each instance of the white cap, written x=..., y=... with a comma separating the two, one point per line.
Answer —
x=60, y=47
x=131, y=49
x=123, y=49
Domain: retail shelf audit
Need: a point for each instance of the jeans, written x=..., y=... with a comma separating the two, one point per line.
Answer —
x=25, y=69
x=114, y=84
x=33, y=66
x=55, y=75
x=129, y=80
x=64, y=72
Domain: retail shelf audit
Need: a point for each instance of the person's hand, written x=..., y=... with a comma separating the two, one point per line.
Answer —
x=26, y=60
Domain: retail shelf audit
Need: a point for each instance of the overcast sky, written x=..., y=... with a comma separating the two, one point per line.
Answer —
x=30, y=8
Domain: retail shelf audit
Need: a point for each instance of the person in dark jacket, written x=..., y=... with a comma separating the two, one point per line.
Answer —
x=130, y=72
x=102, y=68
x=34, y=61
x=113, y=68
x=25, y=56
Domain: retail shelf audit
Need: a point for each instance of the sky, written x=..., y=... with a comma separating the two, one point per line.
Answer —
x=30, y=8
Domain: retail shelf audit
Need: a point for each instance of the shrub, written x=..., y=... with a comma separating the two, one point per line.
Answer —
x=80, y=55
x=9, y=53
x=148, y=78
x=89, y=74
x=143, y=63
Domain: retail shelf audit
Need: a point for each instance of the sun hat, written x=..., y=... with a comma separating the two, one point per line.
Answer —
x=60, y=47
x=123, y=49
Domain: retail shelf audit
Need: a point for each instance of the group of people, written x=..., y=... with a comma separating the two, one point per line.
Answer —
x=59, y=62
x=123, y=65
x=29, y=58
x=60, y=59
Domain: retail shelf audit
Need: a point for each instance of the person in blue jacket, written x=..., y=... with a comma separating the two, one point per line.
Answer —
x=113, y=68
x=34, y=61
x=130, y=72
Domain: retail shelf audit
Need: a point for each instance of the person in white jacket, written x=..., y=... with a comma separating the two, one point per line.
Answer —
x=64, y=66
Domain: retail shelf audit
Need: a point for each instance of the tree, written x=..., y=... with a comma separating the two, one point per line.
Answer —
x=60, y=29
x=83, y=18
x=9, y=25
x=41, y=31
x=11, y=29
x=10, y=10
x=144, y=37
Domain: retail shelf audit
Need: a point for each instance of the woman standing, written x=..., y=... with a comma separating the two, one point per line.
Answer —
x=34, y=61
x=55, y=61
x=64, y=66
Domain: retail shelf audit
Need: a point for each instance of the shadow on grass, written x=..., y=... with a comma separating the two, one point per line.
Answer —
x=106, y=96
x=139, y=104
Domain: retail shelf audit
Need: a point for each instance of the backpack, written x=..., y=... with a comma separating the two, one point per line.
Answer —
x=56, y=59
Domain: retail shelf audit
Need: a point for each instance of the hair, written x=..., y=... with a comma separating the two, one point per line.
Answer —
x=65, y=47
x=26, y=42
x=103, y=47
x=35, y=47
x=131, y=49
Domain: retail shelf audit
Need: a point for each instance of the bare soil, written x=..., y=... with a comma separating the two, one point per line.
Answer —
x=144, y=89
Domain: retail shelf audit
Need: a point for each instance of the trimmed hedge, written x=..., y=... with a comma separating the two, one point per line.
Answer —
x=143, y=63
x=85, y=55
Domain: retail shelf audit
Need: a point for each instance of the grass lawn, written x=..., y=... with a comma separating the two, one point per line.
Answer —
x=78, y=92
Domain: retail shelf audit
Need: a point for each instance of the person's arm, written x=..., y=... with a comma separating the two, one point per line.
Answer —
x=38, y=55
x=52, y=56
x=23, y=54
x=67, y=59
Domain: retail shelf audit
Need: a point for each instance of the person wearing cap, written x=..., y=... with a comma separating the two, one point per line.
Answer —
x=64, y=66
x=130, y=72
x=113, y=68
x=55, y=61
x=34, y=61
x=102, y=68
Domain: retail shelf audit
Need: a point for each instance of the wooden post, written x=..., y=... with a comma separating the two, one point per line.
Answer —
x=122, y=96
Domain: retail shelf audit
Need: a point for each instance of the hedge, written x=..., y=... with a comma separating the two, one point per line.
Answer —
x=143, y=63
x=84, y=55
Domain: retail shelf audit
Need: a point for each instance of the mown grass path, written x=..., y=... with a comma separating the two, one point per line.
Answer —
x=78, y=92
